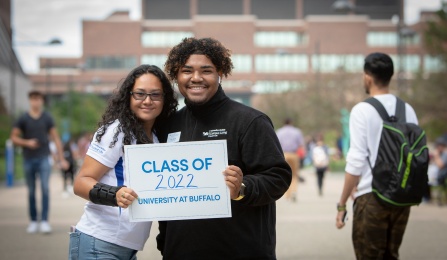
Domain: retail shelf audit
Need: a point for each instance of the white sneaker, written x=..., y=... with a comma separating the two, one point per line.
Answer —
x=32, y=227
x=45, y=227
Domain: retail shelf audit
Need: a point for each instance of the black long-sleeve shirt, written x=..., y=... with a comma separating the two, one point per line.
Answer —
x=252, y=146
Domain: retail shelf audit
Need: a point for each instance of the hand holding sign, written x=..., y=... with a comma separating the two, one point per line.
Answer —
x=233, y=179
x=125, y=196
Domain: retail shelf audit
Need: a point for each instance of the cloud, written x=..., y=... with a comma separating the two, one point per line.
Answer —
x=414, y=7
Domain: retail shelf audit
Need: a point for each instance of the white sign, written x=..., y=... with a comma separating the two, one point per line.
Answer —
x=178, y=180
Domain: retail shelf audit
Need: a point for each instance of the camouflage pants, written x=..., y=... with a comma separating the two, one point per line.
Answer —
x=377, y=229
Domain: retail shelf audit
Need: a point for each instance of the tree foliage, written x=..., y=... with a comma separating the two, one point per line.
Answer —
x=435, y=35
x=77, y=112
x=428, y=91
x=316, y=108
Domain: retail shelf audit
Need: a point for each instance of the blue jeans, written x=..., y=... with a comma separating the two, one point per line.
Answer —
x=33, y=168
x=85, y=247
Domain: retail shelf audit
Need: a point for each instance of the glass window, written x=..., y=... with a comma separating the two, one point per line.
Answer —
x=242, y=63
x=381, y=39
x=333, y=62
x=111, y=62
x=390, y=39
x=269, y=86
x=281, y=63
x=433, y=64
x=154, y=59
x=410, y=63
x=279, y=39
x=163, y=39
x=413, y=39
x=236, y=83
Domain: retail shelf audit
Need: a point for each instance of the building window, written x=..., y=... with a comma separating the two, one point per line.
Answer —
x=274, y=63
x=242, y=63
x=269, y=9
x=279, y=39
x=163, y=39
x=388, y=39
x=236, y=84
x=154, y=59
x=433, y=64
x=269, y=86
x=333, y=63
x=219, y=7
x=166, y=9
x=410, y=63
x=111, y=62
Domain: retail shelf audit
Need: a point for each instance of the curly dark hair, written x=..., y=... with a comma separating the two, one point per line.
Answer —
x=211, y=48
x=119, y=108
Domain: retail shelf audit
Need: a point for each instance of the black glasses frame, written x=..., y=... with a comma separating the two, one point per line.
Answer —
x=136, y=96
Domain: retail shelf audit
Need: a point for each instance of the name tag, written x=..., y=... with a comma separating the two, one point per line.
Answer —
x=173, y=137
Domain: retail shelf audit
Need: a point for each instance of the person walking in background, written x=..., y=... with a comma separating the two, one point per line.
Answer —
x=83, y=144
x=320, y=159
x=33, y=131
x=70, y=155
x=291, y=139
x=257, y=174
x=144, y=99
x=377, y=229
x=440, y=160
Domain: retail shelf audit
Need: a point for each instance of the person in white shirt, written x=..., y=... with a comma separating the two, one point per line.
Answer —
x=377, y=230
x=144, y=99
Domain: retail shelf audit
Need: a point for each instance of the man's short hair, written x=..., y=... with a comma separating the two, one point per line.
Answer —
x=35, y=93
x=379, y=66
x=219, y=55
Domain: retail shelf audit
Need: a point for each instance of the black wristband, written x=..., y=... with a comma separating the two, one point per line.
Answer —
x=104, y=194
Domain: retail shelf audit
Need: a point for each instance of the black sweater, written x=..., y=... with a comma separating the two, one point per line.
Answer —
x=252, y=146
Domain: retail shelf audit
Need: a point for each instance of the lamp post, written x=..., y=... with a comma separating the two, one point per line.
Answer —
x=402, y=34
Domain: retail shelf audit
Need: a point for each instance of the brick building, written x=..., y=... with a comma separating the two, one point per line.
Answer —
x=277, y=45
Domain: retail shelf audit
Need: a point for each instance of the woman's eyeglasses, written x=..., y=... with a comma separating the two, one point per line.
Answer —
x=156, y=96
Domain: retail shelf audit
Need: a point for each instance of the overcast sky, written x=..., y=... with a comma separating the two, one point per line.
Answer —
x=41, y=20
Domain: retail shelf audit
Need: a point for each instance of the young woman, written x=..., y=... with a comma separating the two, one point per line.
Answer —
x=144, y=99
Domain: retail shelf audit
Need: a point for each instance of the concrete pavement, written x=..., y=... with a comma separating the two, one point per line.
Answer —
x=305, y=229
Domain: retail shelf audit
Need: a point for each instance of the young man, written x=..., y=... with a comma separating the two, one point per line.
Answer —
x=32, y=131
x=291, y=139
x=257, y=174
x=377, y=229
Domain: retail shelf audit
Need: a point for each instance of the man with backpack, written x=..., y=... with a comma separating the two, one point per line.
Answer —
x=386, y=167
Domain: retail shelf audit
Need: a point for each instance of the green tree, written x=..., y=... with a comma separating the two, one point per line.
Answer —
x=429, y=89
x=77, y=112
x=435, y=35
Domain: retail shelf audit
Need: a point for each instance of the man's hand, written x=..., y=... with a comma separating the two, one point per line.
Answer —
x=64, y=164
x=339, y=219
x=32, y=143
x=233, y=179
